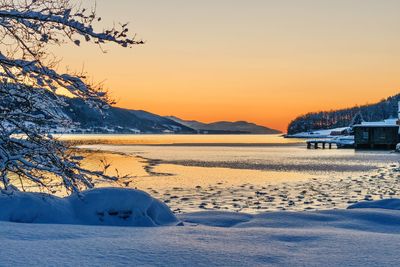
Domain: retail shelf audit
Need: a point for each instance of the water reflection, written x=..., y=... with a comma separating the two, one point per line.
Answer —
x=238, y=173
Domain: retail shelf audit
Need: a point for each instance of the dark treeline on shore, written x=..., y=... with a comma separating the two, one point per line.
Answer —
x=384, y=109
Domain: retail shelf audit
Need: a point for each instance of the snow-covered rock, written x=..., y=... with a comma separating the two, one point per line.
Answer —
x=104, y=206
x=123, y=207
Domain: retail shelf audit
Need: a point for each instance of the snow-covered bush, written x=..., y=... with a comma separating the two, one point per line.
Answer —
x=103, y=206
x=30, y=87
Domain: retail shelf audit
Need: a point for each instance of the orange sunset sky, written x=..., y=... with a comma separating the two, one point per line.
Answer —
x=256, y=60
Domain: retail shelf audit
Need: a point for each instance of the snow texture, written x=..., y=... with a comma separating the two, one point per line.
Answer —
x=368, y=234
x=317, y=133
x=391, y=204
x=106, y=206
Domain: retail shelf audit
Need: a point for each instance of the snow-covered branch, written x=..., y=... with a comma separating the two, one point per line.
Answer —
x=29, y=86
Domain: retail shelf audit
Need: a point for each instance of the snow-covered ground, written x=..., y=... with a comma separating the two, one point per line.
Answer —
x=328, y=132
x=317, y=133
x=103, y=206
x=368, y=234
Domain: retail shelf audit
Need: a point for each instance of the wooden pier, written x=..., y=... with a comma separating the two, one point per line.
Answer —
x=324, y=144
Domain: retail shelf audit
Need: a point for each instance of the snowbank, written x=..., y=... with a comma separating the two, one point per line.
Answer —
x=356, y=237
x=390, y=204
x=105, y=206
x=367, y=234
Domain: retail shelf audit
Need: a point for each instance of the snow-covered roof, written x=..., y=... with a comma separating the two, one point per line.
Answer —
x=385, y=123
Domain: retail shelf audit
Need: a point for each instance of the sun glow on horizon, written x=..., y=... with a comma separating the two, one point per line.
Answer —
x=260, y=61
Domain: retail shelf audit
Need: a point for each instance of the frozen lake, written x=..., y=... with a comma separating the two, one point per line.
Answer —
x=247, y=173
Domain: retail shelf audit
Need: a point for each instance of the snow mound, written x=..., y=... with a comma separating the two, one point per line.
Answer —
x=122, y=207
x=104, y=206
x=381, y=216
x=381, y=220
x=34, y=208
x=388, y=204
x=217, y=218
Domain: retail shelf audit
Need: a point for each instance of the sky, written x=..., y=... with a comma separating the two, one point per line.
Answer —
x=262, y=61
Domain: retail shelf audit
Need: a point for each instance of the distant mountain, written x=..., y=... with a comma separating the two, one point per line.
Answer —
x=118, y=120
x=382, y=110
x=125, y=121
x=225, y=127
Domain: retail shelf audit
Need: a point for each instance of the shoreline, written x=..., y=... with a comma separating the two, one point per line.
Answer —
x=230, y=194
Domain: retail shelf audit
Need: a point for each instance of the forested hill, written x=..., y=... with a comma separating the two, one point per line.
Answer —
x=118, y=120
x=341, y=118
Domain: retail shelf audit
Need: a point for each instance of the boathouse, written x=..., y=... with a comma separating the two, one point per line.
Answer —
x=376, y=136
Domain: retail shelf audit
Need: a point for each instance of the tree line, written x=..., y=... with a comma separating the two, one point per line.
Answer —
x=387, y=108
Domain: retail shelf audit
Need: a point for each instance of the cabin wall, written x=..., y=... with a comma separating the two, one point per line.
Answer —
x=376, y=137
